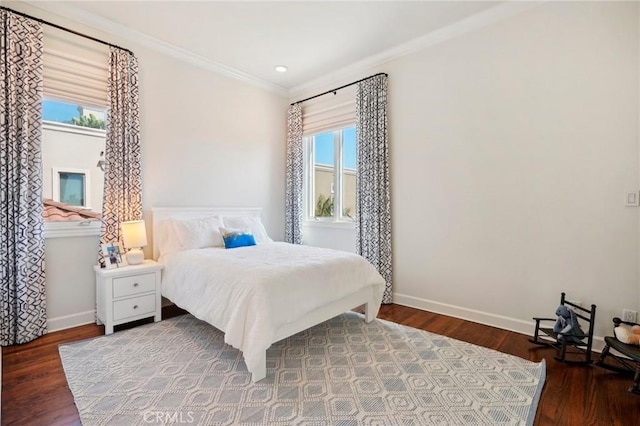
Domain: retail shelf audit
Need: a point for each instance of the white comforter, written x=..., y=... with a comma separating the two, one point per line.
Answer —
x=249, y=292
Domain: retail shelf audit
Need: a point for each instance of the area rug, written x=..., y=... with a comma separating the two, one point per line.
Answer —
x=341, y=372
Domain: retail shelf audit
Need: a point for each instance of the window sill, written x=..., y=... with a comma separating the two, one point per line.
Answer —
x=72, y=229
x=329, y=224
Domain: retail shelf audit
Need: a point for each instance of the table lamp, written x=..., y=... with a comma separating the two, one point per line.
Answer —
x=134, y=237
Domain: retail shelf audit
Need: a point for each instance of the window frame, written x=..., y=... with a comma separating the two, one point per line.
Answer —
x=308, y=144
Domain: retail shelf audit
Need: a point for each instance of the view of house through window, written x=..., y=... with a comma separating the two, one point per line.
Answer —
x=73, y=138
x=330, y=175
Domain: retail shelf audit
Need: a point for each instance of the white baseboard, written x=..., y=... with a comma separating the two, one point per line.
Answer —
x=486, y=318
x=69, y=321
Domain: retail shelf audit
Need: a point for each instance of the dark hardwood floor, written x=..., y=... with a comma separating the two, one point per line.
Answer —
x=35, y=392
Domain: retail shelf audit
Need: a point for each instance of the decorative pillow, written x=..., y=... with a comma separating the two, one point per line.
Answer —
x=198, y=233
x=248, y=222
x=237, y=238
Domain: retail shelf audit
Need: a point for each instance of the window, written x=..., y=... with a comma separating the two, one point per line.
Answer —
x=330, y=175
x=73, y=115
x=75, y=77
x=72, y=186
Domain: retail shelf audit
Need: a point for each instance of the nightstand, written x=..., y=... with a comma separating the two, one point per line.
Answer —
x=128, y=293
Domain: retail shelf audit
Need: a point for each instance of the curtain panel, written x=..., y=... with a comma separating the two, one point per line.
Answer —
x=295, y=173
x=122, y=200
x=23, y=314
x=373, y=201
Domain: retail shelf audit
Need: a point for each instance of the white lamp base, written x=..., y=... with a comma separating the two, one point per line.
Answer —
x=135, y=256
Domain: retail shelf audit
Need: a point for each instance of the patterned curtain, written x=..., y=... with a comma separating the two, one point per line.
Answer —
x=122, y=198
x=23, y=311
x=373, y=201
x=293, y=194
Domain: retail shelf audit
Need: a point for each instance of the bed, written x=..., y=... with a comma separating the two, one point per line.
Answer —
x=260, y=294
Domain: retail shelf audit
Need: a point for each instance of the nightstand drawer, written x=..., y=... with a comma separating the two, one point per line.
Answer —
x=134, y=307
x=135, y=284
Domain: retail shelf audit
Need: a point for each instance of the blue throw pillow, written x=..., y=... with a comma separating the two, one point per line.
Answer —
x=237, y=238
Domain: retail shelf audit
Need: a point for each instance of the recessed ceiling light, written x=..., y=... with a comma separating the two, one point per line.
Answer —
x=281, y=68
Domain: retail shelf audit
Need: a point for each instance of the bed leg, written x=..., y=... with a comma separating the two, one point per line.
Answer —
x=368, y=312
x=261, y=371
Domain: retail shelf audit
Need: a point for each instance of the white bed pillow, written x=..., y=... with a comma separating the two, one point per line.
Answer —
x=254, y=224
x=198, y=233
x=166, y=239
x=177, y=235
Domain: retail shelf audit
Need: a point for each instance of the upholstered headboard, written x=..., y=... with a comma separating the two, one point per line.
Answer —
x=160, y=214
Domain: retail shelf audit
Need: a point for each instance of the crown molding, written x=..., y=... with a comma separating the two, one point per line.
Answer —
x=121, y=31
x=480, y=20
x=475, y=22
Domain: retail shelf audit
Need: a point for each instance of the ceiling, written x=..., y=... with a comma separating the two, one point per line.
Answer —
x=313, y=39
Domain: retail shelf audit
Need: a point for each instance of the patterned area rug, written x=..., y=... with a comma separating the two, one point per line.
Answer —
x=342, y=372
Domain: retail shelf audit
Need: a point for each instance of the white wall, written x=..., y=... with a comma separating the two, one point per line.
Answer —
x=339, y=236
x=211, y=141
x=517, y=144
x=71, y=291
x=512, y=148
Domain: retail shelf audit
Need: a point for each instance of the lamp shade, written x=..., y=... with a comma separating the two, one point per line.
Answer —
x=134, y=234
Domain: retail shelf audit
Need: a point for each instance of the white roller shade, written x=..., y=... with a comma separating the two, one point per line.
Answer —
x=329, y=112
x=75, y=69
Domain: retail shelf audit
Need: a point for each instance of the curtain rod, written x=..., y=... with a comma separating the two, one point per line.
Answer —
x=338, y=88
x=42, y=21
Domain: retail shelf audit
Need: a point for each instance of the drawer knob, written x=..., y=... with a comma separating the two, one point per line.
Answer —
x=135, y=284
x=135, y=306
